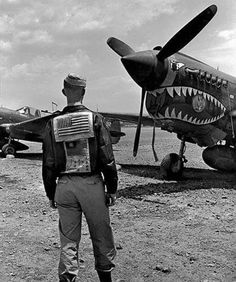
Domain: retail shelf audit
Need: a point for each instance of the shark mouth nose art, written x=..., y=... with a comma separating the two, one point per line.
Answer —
x=187, y=104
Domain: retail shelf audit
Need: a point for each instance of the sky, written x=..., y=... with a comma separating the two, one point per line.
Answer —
x=42, y=41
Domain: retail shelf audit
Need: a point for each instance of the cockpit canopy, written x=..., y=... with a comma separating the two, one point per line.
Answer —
x=32, y=112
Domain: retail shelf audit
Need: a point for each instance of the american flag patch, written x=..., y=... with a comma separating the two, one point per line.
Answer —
x=73, y=126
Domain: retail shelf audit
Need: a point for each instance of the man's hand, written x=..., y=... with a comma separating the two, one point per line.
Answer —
x=52, y=204
x=110, y=199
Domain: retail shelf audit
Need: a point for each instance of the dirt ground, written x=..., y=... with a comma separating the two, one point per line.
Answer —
x=164, y=230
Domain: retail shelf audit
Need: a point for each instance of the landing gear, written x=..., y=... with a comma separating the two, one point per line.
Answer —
x=172, y=165
x=8, y=149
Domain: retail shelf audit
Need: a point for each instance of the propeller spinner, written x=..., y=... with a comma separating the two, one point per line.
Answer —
x=148, y=69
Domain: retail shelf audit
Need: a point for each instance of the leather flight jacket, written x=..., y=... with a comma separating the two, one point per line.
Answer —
x=100, y=157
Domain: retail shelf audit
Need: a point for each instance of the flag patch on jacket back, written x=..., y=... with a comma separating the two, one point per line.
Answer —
x=74, y=130
x=73, y=126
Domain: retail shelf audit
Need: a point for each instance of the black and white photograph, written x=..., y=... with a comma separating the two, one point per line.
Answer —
x=118, y=141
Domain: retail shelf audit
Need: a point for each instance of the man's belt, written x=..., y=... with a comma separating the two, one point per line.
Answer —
x=81, y=174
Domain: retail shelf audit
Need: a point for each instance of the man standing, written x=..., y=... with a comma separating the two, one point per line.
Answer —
x=78, y=164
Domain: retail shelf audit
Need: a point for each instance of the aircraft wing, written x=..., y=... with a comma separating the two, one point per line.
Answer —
x=131, y=118
x=30, y=130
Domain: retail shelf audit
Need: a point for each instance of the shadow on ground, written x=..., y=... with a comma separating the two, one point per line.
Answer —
x=193, y=179
x=30, y=156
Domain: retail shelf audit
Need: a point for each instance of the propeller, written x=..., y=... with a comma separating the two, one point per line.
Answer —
x=119, y=47
x=187, y=33
x=148, y=69
x=138, y=130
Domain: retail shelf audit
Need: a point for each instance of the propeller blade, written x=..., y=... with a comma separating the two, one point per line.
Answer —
x=138, y=130
x=119, y=47
x=187, y=33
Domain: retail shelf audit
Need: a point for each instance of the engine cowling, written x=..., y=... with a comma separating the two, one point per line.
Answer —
x=220, y=157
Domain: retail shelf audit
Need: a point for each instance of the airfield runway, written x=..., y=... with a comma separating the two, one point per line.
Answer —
x=164, y=230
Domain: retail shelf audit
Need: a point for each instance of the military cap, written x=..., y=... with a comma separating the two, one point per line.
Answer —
x=74, y=80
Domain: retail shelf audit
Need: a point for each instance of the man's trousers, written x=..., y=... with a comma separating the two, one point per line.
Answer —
x=76, y=195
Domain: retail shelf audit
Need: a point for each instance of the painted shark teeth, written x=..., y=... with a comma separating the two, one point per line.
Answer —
x=174, y=114
x=185, y=118
x=179, y=116
x=183, y=91
x=190, y=120
x=167, y=113
x=191, y=91
x=194, y=91
x=178, y=90
x=170, y=91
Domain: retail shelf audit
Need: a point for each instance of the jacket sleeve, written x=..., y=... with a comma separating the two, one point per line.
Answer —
x=106, y=158
x=48, y=169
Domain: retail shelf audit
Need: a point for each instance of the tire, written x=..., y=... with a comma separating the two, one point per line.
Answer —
x=8, y=149
x=169, y=168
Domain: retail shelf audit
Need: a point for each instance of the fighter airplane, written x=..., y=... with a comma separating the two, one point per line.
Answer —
x=184, y=96
x=20, y=118
x=28, y=124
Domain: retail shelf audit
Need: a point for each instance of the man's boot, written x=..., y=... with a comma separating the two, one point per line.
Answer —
x=67, y=277
x=104, y=276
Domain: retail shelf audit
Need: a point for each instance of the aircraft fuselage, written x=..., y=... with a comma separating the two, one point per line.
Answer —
x=185, y=96
x=11, y=116
x=193, y=99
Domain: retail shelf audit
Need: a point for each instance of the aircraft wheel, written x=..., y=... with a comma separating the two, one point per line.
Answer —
x=171, y=167
x=8, y=149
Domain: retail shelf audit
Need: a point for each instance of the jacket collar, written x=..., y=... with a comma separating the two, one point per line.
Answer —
x=74, y=108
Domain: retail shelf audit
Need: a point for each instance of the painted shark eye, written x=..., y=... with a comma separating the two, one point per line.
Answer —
x=199, y=103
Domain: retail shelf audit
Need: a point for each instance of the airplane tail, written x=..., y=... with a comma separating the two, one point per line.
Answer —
x=115, y=130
